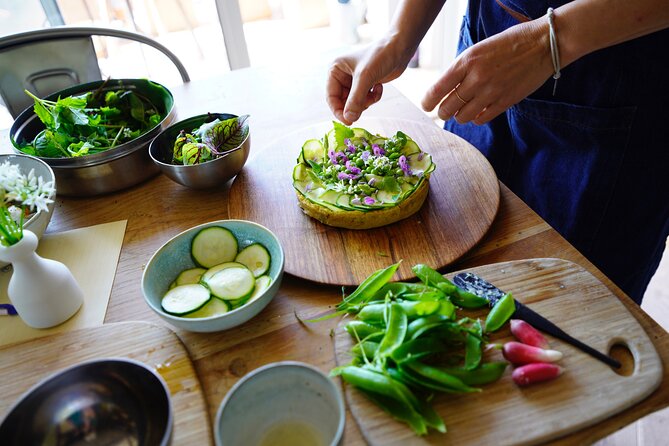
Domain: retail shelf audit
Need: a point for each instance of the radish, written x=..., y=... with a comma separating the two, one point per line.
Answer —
x=527, y=334
x=535, y=373
x=518, y=353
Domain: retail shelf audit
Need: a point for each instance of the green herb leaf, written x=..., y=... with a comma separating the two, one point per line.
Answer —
x=341, y=132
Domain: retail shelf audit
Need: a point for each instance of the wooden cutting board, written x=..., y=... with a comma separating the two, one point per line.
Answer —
x=24, y=365
x=504, y=414
x=461, y=205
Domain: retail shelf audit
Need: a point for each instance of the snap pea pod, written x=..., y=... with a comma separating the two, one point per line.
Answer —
x=369, y=287
x=396, y=330
x=374, y=314
x=473, y=350
x=365, y=348
x=362, y=329
x=417, y=348
x=398, y=411
x=399, y=289
x=428, y=295
x=460, y=297
x=500, y=313
x=437, y=379
x=485, y=373
x=422, y=325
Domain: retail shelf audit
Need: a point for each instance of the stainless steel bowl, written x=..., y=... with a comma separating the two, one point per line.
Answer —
x=108, y=401
x=111, y=170
x=212, y=173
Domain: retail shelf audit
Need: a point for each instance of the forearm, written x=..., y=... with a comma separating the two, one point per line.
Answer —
x=585, y=26
x=410, y=23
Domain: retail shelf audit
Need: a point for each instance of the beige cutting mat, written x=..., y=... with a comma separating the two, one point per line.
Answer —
x=92, y=255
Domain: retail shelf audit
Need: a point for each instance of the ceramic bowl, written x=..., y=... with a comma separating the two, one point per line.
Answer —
x=107, y=401
x=287, y=402
x=38, y=222
x=175, y=256
x=212, y=173
x=121, y=167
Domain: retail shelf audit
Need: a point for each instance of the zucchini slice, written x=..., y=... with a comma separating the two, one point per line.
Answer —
x=214, y=307
x=256, y=258
x=232, y=283
x=213, y=245
x=216, y=268
x=313, y=150
x=184, y=299
x=262, y=283
x=189, y=276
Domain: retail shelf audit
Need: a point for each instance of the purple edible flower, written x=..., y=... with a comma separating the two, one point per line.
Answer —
x=378, y=151
x=369, y=201
x=372, y=181
x=332, y=156
x=343, y=176
x=420, y=156
x=402, y=161
x=355, y=201
x=365, y=155
x=342, y=155
x=349, y=144
x=352, y=168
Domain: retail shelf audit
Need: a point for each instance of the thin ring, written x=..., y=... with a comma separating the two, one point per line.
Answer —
x=459, y=97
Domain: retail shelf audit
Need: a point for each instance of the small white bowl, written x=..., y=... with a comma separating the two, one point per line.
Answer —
x=278, y=401
x=38, y=222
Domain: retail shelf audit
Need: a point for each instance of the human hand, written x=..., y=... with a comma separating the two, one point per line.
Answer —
x=355, y=80
x=491, y=76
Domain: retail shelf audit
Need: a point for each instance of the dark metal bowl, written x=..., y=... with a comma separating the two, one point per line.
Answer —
x=103, y=402
x=109, y=171
x=212, y=173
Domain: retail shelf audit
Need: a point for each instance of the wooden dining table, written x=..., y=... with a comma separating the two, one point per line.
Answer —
x=281, y=100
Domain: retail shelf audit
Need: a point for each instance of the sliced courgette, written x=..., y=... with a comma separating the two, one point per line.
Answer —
x=313, y=150
x=189, y=276
x=420, y=162
x=184, y=299
x=232, y=283
x=256, y=258
x=262, y=283
x=216, y=268
x=213, y=245
x=215, y=307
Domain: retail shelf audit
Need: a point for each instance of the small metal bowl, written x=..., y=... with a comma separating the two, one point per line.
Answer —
x=108, y=401
x=198, y=176
x=112, y=170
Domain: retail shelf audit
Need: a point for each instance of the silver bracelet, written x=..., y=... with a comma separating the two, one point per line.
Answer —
x=555, y=51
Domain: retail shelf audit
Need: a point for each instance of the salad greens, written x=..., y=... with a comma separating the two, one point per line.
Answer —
x=90, y=123
x=210, y=140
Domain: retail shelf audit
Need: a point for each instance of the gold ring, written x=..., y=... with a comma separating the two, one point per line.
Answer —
x=459, y=97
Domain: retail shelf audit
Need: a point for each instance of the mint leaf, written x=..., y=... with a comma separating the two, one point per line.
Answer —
x=341, y=132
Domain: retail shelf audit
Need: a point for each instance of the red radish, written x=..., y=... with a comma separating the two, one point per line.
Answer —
x=527, y=334
x=535, y=373
x=518, y=353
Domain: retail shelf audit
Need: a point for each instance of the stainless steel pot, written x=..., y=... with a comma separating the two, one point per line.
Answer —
x=111, y=170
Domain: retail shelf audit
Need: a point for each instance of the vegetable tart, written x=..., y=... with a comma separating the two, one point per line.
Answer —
x=356, y=180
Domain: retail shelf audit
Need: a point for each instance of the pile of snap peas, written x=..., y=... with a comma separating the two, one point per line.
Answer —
x=410, y=344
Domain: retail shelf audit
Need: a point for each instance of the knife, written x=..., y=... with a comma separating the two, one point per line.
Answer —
x=476, y=285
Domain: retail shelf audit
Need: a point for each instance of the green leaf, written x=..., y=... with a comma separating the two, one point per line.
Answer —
x=342, y=132
x=136, y=107
x=222, y=136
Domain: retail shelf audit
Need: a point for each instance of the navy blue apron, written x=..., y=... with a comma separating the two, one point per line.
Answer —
x=593, y=160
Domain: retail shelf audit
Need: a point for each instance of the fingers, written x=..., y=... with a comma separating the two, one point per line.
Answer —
x=364, y=92
x=443, y=87
x=337, y=88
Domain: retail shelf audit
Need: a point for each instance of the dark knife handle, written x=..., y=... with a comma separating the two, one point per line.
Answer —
x=543, y=324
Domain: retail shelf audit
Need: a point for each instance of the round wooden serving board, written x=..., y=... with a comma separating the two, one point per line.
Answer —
x=461, y=205
x=504, y=414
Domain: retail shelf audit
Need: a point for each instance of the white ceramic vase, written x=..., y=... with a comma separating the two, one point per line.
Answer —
x=43, y=291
